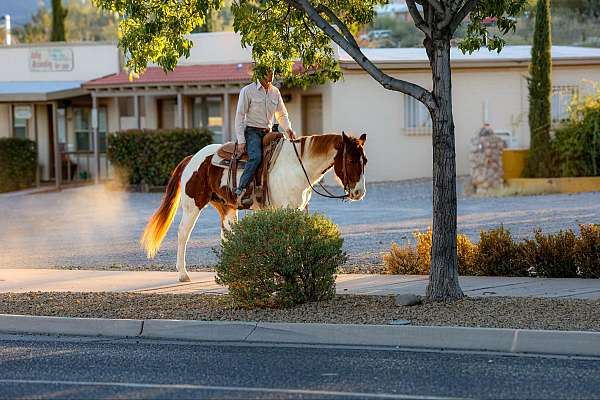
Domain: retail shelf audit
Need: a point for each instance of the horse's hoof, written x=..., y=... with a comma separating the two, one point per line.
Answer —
x=184, y=278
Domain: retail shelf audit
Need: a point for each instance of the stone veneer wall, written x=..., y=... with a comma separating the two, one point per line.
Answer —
x=485, y=160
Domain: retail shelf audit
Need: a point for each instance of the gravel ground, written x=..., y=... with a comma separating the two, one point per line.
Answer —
x=96, y=229
x=496, y=312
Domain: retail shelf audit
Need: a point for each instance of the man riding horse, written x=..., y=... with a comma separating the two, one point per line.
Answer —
x=259, y=102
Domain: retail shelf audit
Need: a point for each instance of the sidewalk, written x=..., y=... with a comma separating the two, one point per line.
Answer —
x=55, y=280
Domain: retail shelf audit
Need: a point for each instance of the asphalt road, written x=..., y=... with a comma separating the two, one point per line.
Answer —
x=75, y=368
x=91, y=227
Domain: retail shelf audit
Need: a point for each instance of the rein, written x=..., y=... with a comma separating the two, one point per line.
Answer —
x=329, y=195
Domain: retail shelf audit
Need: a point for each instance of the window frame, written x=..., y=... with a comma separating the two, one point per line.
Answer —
x=563, y=111
x=102, y=134
x=413, y=111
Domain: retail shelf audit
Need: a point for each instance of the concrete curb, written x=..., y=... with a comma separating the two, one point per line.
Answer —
x=70, y=326
x=573, y=343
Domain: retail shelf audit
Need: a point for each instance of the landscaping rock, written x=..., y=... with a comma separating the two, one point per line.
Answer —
x=408, y=300
x=489, y=312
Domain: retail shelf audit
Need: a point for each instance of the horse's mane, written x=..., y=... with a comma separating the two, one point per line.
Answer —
x=319, y=144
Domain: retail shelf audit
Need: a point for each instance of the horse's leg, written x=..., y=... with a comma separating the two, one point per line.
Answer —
x=228, y=216
x=188, y=220
x=231, y=217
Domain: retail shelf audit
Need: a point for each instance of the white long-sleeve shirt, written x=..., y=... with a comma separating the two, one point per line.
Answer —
x=256, y=107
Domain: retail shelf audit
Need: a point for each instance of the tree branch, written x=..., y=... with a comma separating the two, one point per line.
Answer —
x=347, y=34
x=462, y=13
x=416, y=91
x=417, y=18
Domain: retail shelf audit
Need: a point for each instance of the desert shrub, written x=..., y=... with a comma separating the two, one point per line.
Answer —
x=499, y=255
x=466, y=251
x=551, y=255
x=148, y=156
x=403, y=260
x=280, y=258
x=416, y=260
x=587, y=251
x=18, y=161
x=423, y=248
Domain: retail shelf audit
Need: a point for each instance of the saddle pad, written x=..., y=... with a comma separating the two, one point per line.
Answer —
x=218, y=161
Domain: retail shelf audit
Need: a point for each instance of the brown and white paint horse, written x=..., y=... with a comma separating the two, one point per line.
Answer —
x=204, y=183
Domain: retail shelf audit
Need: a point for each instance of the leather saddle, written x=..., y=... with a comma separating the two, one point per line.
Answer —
x=258, y=188
x=227, y=150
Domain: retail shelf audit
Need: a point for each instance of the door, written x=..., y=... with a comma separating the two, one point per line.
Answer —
x=312, y=115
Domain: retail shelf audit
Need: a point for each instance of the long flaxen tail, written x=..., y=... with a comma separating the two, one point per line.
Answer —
x=159, y=223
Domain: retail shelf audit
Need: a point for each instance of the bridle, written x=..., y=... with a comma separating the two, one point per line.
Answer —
x=345, y=180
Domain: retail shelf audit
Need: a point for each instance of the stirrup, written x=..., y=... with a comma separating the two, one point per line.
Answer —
x=243, y=200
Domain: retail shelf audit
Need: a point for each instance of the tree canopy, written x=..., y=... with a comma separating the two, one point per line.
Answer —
x=282, y=31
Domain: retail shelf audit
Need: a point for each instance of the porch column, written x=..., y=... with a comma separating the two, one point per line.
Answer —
x=95, y=135
x=136, y=111
x=226, y=125
x=37, y=145
x=57, y=158
x=179, y=122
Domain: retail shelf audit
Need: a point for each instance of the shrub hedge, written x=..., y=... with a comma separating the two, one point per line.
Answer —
x=18, y=162
x=148, y=156
x=577, y=143
x=559, y=255
x=410, y=260
x=280, y=258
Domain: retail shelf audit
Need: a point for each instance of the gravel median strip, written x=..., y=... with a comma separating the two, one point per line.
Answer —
x=491, y=312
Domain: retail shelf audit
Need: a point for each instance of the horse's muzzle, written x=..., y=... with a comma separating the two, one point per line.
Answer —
x=356, y=194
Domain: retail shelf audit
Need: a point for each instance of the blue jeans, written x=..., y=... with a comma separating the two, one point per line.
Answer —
x=254, y=149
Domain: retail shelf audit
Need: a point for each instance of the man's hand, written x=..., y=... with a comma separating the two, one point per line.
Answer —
x=291, y=134
x=240, y=149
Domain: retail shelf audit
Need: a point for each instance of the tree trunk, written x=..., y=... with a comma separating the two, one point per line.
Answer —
x=58, y=22
x=443, y=276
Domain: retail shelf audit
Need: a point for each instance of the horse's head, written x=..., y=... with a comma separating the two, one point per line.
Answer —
x=349, y=165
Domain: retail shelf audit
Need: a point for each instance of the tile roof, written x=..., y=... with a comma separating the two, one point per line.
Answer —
x=209, y=73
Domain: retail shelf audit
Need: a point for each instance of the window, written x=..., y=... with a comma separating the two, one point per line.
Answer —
x=127, y=106
x=20, y=128
x=417, y=120
x=83, y=129
x=562, y=96
x=208, y=113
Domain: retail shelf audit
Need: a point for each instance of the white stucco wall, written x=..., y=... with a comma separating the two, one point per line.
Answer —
x=89, y=61
x=359, y=104
x=217, y=48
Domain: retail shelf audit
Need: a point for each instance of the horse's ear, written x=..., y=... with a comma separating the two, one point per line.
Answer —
x=362, y=139
x=346, y=138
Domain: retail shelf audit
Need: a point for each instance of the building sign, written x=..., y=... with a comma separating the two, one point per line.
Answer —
x=22, y=112
x=50, y=59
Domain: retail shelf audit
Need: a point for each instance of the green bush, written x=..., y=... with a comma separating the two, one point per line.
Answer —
x=498, y=254
x=587, y=251
x=578, y=142
x=280, y=258
x=148, y=156
x=18, y=162
x=551, y=255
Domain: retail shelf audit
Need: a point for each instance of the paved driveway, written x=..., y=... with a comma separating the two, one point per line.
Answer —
x=92, y=227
